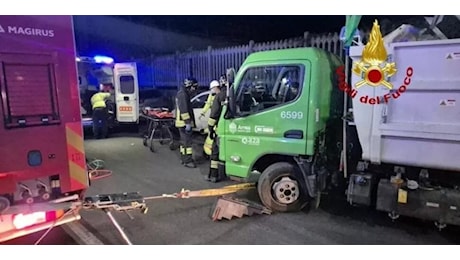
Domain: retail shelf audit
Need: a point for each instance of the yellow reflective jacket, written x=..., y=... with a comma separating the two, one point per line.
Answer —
x=208, y=103
x=184, y=110
x=98, y=100
x=216, y=108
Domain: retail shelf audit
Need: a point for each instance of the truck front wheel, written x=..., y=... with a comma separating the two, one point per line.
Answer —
x=279, y=188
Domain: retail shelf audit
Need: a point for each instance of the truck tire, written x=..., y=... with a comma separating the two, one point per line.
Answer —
x=280, y=188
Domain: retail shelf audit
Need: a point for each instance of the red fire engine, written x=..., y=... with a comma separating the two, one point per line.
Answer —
x=42, y=158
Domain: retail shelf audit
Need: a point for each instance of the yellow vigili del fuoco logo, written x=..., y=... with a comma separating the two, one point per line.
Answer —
x=374, y=70
x=373, y=67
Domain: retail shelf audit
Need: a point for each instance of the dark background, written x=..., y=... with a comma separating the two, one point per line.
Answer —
x=257, y=28
x=129, y=37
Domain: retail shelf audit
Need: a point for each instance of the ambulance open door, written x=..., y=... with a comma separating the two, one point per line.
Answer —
x=126, y=92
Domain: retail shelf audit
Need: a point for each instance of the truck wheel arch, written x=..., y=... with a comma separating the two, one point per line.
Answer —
x=264, y=161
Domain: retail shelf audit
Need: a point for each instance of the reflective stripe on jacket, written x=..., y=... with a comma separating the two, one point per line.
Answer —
x=184, y=111
x=208, y=103
x=216, y=108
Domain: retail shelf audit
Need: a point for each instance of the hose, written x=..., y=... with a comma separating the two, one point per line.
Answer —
x=96, y=169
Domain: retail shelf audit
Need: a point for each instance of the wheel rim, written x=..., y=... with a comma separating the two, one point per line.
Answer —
x=286, y=190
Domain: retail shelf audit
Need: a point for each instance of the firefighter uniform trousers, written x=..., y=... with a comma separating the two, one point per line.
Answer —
x=214, y=167
x=216, y=110
x=185, y=146
x=184, y=116
x=207, y=146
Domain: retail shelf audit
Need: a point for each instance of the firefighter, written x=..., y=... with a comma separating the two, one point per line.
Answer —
x=100, y=113
x=216, y=110
x=213, y=86
x=185, y=120
x=207, y=105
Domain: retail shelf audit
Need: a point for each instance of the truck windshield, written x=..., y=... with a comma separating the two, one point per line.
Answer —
x=264, y=87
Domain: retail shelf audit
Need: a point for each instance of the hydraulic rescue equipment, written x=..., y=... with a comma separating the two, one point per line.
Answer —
x=130, y=201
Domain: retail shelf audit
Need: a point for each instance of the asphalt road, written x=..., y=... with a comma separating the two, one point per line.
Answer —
x=187, y=221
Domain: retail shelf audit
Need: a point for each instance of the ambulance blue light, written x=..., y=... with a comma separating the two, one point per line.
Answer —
x=103, y=59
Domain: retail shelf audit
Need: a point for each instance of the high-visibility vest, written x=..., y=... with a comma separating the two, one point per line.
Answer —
x=208, y=103
x=98, y=100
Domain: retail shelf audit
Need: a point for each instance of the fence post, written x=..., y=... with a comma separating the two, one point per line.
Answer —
x=177, y=70
x=152, y=69
x=210, y=72
x=251, y=47
x=305, y=39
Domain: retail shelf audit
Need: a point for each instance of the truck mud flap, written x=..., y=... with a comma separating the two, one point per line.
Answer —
x=309, y=178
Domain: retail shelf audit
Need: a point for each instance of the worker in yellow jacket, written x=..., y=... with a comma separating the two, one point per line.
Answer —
x=207, y=146
x=216, y=110
x=100, y=113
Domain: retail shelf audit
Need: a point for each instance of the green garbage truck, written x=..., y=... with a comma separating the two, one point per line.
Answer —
x=282, y=127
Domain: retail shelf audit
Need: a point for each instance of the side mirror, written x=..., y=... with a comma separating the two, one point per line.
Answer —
x=231, y=76
x=231, y=105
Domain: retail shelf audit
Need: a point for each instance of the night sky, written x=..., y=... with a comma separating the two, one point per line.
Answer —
x=258, y=28
x=222, y=31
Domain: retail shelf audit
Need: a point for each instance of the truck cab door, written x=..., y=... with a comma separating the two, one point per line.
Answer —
x=271, y=117
x=126, y=92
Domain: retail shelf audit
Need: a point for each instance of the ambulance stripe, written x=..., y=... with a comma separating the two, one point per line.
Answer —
x=76, y=154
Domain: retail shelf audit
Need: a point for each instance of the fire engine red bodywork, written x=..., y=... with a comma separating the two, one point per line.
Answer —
x=40, y=103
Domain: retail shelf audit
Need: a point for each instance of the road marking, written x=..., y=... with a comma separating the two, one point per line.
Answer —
x=80, y=234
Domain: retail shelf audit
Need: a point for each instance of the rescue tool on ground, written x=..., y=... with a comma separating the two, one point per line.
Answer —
x=131, y=201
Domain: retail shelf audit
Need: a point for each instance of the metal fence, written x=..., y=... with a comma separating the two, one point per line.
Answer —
x=205, y=65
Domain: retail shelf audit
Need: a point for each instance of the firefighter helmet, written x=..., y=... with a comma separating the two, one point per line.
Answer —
x=190, y=82
x=223, y=80
x=214, y=84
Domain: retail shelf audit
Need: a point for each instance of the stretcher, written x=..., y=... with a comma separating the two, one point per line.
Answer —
x=160, y=122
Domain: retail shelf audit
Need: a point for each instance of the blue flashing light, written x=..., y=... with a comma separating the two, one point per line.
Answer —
x=103, y=59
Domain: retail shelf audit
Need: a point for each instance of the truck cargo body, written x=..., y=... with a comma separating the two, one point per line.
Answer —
x=413, y=134
x=421, y=127
x=41, y=142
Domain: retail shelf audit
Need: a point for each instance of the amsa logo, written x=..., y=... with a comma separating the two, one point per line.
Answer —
x=28, y=31
x=233, y=128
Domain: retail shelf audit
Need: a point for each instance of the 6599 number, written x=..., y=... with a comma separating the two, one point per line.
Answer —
x=291, y=115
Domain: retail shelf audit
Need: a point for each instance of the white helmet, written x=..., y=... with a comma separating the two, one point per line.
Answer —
x=214, y=84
